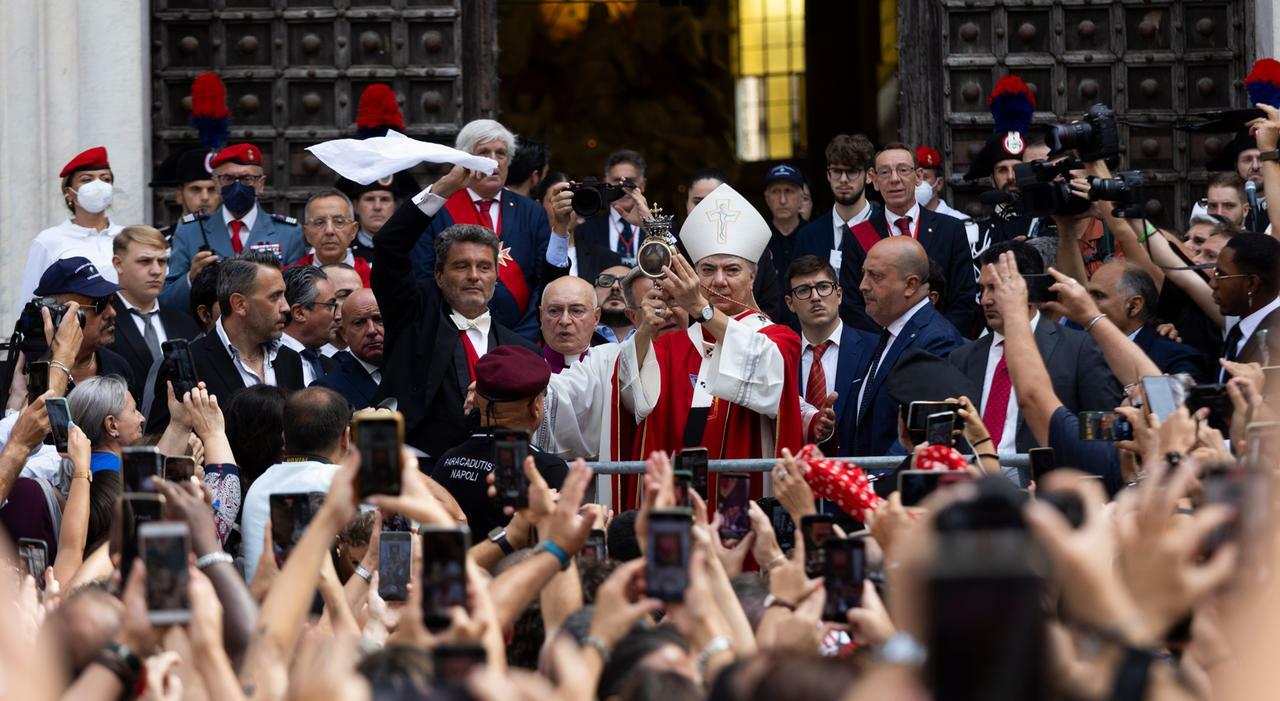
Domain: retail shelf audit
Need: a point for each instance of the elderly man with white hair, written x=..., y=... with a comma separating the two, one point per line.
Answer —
x=530, y=255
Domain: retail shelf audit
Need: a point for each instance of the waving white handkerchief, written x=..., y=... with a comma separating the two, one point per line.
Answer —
x=367, y=160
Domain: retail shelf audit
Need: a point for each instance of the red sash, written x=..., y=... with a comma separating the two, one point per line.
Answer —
x=463, y=211
x=866, y=235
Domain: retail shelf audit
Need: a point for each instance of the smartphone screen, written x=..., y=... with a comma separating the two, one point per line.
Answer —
x=915, y=485
x=135, y=510
x=596, y=548
x=139, y=468
x=33, y=557
x=694, y=461
x=732, y=494
x=59, y=422
x=1163, y=395
x=1104, y=426
x=510, y=448
x=444, y=573
x=667, y=554
x=843, y=573
x=1043, y=461
x=683, y=483
x=816, y=529
x=291, y=513
x=452, y=663
x=938, y=428
x=918, y=414
x=1038, y=290
x=165, y=547
x=784, y=529
x=378, y=437
x=181, y=368
x=395, y=564
x=37, y=379
x=179, y=468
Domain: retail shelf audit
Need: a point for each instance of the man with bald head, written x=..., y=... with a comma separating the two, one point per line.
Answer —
x=359, y=369
x=569, y=313
x=895, y=287
x=1127, y=295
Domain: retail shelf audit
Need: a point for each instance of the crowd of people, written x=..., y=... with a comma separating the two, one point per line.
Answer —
x=1081, y=405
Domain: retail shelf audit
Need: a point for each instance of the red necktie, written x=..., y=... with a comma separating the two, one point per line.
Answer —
x=815, y=391
x=997, y=409
x=482, y=208
x=236, y=227
x=472, y=357
x=904, y=225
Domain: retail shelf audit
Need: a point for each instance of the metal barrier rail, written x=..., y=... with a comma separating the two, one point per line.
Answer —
x=871, y=464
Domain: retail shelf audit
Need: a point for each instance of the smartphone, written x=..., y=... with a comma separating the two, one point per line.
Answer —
x=452, y=663
x=510, y=448
x=59, y=422
x=1038, y=291
x=179, y=468
x=1215, y=398
x=1104, y=426
x=1043, y=461
x=732, y=494
x=37, y=379
x=844, y=570
x=683, y=483
x=938, y=428
x=33, y=559
x=596, y=548
x=694, y=460
x=784, y=529
x=291, y=513
x=165, y=548
x=395, y=565
x=916, y=485
x=666, y=572
x=181, y=368
x=139, y=468
x=918, y=414
x=444, y=573
x=378, y=435
x=816, y=530
x=1164, y=394
x=136, y=510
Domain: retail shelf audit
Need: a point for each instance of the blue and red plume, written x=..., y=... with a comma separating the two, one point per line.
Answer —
x=1012, y=105
x=209, y=113
x=1263, y=83
x=378, y=112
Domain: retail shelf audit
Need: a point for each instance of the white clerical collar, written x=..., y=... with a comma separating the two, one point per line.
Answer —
x=480, y=323
x=997, y=338
x=913, y=218
x=834, y=338
x=248, y=219
x=1250, y=323
x=900, y=323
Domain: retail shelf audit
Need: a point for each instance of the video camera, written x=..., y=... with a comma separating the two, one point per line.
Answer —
x=591, y=196
x=1094, y=137
x=1043, y=189
x=29, y=331
x=1125, y=190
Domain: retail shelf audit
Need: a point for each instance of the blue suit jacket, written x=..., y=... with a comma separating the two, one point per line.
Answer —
x=194, y=231
x=877, y=432
x=818, y=236
x=525, y=232
x=851, y=368
x=1170, y=356
x=349, y=379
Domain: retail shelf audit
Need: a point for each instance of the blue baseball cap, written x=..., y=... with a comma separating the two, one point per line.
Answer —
x=75, y=276
x=784, y=171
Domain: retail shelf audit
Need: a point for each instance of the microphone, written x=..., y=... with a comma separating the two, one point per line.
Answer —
x=994, y=197
x=1251, y=191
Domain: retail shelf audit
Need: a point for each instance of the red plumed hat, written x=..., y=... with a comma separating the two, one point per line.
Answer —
x=209, y=113
x=378, y=112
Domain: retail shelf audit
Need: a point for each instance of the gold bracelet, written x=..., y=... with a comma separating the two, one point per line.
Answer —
x=87, y=475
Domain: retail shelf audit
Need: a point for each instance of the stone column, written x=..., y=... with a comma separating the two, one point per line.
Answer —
x=73, y=75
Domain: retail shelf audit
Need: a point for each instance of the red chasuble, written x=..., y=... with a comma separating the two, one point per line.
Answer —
x=731, y=431
x=463, y=211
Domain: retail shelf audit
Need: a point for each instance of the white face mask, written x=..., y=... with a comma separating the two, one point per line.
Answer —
x=94, y=196
x=924, y=194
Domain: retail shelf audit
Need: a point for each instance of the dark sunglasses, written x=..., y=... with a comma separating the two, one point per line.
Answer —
x=100, y=304
x=607, y=280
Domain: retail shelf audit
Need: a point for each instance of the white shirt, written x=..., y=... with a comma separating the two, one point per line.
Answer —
x=557, y=246
x=141, y=324
x=375, y=372
x=573, y=259
x=42, y=463
x=308, y=374
x=1009, y=437
x=894, y=329
x=913, y=220
x=615, y=234
x=944, y=208
x=281, y=478
x=247, y=219
x=329, y=350
x=830, y=360
x=67, y=240
x=839, y=224
x=315, y=262
x=1250, y=323
x=495, y=208
x=249, y=377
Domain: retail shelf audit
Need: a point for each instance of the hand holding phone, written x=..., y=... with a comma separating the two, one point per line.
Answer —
x=59, y=422
x=844, y=569
x=379, y=435
x=732, y=495
x=165, y=548
x=176, y=354
x=939, y=426
x=694, y=462
x=667, y=554
x=395, y=565
x=444, y=573
x=139, y=468
x=816, y=530
x=510, y=448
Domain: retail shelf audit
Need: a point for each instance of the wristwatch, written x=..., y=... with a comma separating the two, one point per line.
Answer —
x=1272, y=155
x=498, y=537
x=707, y=312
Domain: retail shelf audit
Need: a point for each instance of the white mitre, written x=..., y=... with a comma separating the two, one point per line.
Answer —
x=725, y=223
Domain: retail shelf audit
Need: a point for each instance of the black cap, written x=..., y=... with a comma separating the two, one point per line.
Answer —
x=183, y=167
x=76, y=276
x=921, y=376
x=1225, y=160
x=401, y=184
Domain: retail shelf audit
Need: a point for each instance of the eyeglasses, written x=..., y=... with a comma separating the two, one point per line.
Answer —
x=903, y=172
x=249, y=180
x=824, y=289
x=321, y=222
x=1219, y=276
x=606, y=280
x=576, y=312
x=331, y=305
x=100, y=304
x=850, y=173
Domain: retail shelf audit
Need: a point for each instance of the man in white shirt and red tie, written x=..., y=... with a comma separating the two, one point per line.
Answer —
x=329, y=223
x=239, y=224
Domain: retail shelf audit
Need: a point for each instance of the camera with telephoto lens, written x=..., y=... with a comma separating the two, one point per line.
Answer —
x=1094, y=137
x=590, y=197
x=1125, y=190
x=30, y=326
x=1043, y=189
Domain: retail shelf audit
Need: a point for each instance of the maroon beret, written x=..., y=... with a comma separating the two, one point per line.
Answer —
x=511, y=373
x=244, y=154
x=92, y=159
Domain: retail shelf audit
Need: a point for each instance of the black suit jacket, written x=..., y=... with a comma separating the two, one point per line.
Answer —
x=1170, y=356
x=129, y=342
x=349, y=378
x=1252, y=350
x=218, y=372
x=945, y=241
x=593, y=258
x=422, y=348
x=1079, y=373
x=112, y=363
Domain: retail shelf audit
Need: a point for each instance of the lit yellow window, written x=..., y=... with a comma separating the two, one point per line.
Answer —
x=768, y=66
